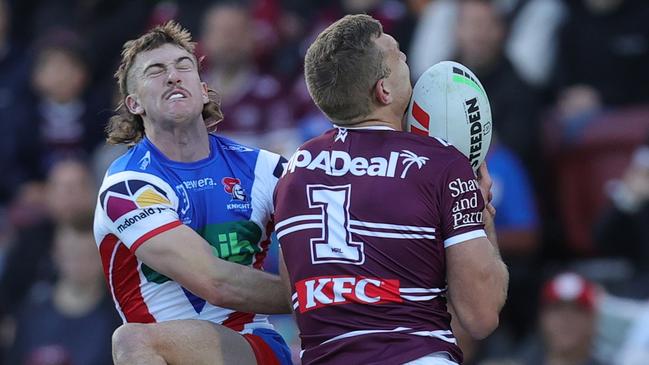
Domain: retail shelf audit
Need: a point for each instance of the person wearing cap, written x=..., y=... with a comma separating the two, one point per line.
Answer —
x=567, y=322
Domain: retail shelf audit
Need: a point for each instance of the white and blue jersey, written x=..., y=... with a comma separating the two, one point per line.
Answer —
x=227, y=198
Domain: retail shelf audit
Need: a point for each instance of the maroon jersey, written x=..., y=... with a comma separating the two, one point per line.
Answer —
x=364, y=217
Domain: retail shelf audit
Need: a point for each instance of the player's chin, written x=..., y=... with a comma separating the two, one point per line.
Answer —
x=180, y=112
x=178, y=118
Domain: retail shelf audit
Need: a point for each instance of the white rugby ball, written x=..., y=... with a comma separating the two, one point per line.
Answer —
x=448, y=102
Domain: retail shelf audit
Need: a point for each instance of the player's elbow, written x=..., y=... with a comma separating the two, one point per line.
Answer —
x=477, y=318
x=219, y=295
x=481, y=326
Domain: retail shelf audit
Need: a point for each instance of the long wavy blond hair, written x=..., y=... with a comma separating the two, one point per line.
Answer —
x=128, y=128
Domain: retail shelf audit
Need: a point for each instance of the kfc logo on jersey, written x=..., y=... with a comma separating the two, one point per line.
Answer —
x=339, y=163
x=321, y=291
x=465, y=210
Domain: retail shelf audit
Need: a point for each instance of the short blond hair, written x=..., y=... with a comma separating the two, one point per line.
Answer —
x=342, y=66
x=128, y=128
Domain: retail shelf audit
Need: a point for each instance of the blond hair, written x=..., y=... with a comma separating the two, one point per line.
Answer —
x=128, y=128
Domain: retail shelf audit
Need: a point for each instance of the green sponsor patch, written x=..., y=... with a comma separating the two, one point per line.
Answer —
x=232, y=241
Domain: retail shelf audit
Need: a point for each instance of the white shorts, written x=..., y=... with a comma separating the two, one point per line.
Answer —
x=436, y=358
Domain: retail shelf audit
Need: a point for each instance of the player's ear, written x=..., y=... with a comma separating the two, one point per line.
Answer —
x=382, y=92
x=133, y=105
x=204, y=93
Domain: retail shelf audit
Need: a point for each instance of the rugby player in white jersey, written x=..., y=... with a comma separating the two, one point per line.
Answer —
x=380, y=228
x=183, y=220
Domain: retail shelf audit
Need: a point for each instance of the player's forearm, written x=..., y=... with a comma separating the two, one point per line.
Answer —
x=498, y=272
x=249, y=290
x=478, y=302
x=496, y=281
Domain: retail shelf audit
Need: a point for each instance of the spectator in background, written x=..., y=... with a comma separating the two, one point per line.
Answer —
x=395, y=18
x=16, y=157
x=517, y=222
x=567, y=323
x=518, y=228
x=481, y=31
x=106, y=24
x=66, y=112
x=530, y=44
x=255, y=107
x=68, y=199
x=72, y=321
x=622, y=230
x=603, y=56
x=434, y=38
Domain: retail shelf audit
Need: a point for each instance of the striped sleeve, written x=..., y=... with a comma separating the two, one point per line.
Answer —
x=136, y=206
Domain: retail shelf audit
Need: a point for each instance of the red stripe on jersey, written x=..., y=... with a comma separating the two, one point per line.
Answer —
x=126, y=282
x=236, y=320
x=145, y=237
x=106, y=248
x=260, y=256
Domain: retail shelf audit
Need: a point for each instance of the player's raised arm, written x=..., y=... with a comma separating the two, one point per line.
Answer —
x=477, y=277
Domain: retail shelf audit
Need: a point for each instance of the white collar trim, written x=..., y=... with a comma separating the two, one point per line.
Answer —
x=371, y=127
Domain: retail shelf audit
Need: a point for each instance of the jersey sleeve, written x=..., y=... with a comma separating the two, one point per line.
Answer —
x=461, y=204
x=136, y=207
x=268, y=171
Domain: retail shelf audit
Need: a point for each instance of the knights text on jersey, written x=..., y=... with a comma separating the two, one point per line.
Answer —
x=363, y=217
x=226, y=198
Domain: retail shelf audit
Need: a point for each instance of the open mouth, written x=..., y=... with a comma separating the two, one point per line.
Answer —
x=177, y=94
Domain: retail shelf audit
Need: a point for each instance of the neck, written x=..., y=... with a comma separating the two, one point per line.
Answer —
x=181, y=143
x=77, y=299
x=380, y=117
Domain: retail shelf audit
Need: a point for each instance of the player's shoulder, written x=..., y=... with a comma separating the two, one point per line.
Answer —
x=258, y=159
x=229, y=146
x=137, y=158
x=433, y=146
x=135, y=167
x=448, y=160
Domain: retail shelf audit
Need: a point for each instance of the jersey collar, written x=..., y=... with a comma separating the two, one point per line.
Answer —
x=370, y=127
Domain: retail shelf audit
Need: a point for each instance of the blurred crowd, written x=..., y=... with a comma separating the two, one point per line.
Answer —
x=568, y=83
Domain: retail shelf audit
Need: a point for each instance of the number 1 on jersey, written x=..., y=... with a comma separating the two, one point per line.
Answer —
x=336, y=244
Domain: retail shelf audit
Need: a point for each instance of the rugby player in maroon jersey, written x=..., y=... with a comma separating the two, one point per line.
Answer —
x=381, y=229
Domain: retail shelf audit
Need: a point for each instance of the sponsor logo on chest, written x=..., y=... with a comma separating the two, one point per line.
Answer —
x=339, y=163
x=239, y=197
x=199, y=184
x=318, y=292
